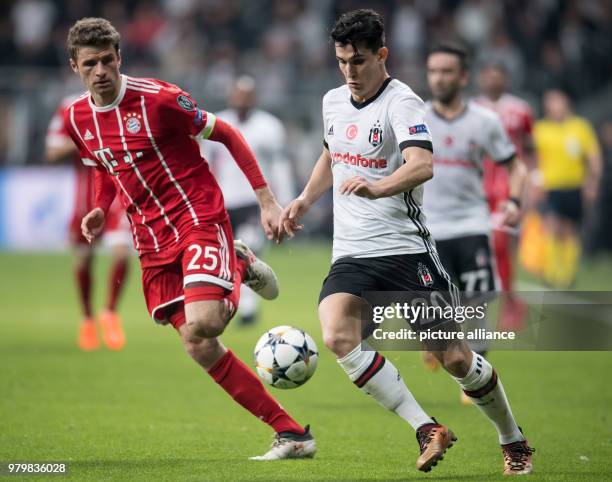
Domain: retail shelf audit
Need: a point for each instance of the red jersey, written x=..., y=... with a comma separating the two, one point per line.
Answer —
x=516, y=116
x=144, y=142
x=58, y=135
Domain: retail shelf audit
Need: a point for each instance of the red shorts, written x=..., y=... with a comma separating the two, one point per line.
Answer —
x=205, y=255
x=116, y=228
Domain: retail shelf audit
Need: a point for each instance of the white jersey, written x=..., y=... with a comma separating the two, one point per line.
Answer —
x=265, y=134
x=366, y=139
x=455, y=201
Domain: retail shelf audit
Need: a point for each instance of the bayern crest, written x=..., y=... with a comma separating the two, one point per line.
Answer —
x=132, y=123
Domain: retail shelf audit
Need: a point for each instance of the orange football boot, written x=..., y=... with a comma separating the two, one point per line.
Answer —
x=112, y=331
x=88, y=335
x=434, y=440
x=517, y=458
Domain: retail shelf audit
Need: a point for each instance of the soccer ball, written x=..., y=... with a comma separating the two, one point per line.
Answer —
x=285, y=357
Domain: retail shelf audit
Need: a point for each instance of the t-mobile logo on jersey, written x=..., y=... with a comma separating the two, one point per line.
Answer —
x=105, y=156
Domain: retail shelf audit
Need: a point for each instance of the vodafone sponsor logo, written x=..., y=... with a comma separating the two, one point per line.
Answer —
x=456, y=162
x=358, y=160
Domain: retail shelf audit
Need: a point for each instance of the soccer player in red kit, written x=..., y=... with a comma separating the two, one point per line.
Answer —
x=517, y=118
x=140, y=137
x=58, y=148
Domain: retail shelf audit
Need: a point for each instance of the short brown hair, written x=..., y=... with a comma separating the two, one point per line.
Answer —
x=91, y=32
x=453, y=48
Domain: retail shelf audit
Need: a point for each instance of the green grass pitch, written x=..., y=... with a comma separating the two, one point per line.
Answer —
x=150, y=413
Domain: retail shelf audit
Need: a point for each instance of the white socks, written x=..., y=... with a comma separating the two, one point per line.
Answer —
x=479, y=345
x=377, y=376
x=482, y=385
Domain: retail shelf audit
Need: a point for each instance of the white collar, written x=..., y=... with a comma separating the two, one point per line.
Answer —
x=115, y=102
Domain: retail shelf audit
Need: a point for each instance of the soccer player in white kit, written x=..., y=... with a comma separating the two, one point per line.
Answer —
x=266, y=136
x=463, y=134
x=377, y=154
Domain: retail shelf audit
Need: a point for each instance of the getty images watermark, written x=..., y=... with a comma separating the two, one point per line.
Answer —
x=530, y=320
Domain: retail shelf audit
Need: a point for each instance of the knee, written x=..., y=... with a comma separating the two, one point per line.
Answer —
x=207, y=322
x=338, y=342
x=202, y=350
x=456, y=363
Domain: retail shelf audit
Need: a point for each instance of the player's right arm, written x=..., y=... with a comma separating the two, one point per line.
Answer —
x=93, y=222
x=321, y=180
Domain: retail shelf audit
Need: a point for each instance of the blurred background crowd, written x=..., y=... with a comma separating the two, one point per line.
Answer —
x=202, y=45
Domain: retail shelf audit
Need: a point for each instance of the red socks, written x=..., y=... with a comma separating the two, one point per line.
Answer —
x=83, y=278
x=117, y=276
x=239, y=381
x=244, y=387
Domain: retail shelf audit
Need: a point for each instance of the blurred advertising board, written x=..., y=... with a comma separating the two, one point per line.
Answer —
x=35, y=207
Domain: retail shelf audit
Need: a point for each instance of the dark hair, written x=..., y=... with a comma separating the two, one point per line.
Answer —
x=453, y=49
x=495, y=64
x=360, y=27
x=91, y=32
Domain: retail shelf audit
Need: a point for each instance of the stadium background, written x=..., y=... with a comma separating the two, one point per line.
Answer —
x=60, y=404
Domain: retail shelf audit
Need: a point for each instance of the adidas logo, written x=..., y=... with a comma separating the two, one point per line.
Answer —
x=88, y=135
x=330, y=132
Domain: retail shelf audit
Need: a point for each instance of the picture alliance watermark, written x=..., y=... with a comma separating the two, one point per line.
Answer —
x=542, y=320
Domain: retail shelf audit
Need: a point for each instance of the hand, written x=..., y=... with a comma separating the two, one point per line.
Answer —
x=92, y=224
x=510, y=213
x=288, y=221
x=270, y=214
x=360, y=187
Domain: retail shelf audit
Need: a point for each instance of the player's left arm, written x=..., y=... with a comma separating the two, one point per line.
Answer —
x=417, y=168
x=406, y=118
x=181, y=111
x=220, y=131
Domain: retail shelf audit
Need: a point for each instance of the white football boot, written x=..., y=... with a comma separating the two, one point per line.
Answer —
x=259, y=276
x=289, y=445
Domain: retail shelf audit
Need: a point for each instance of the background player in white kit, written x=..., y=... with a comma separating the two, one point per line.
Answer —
x=376, y=157
x=463, y=133
x=266, y=136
